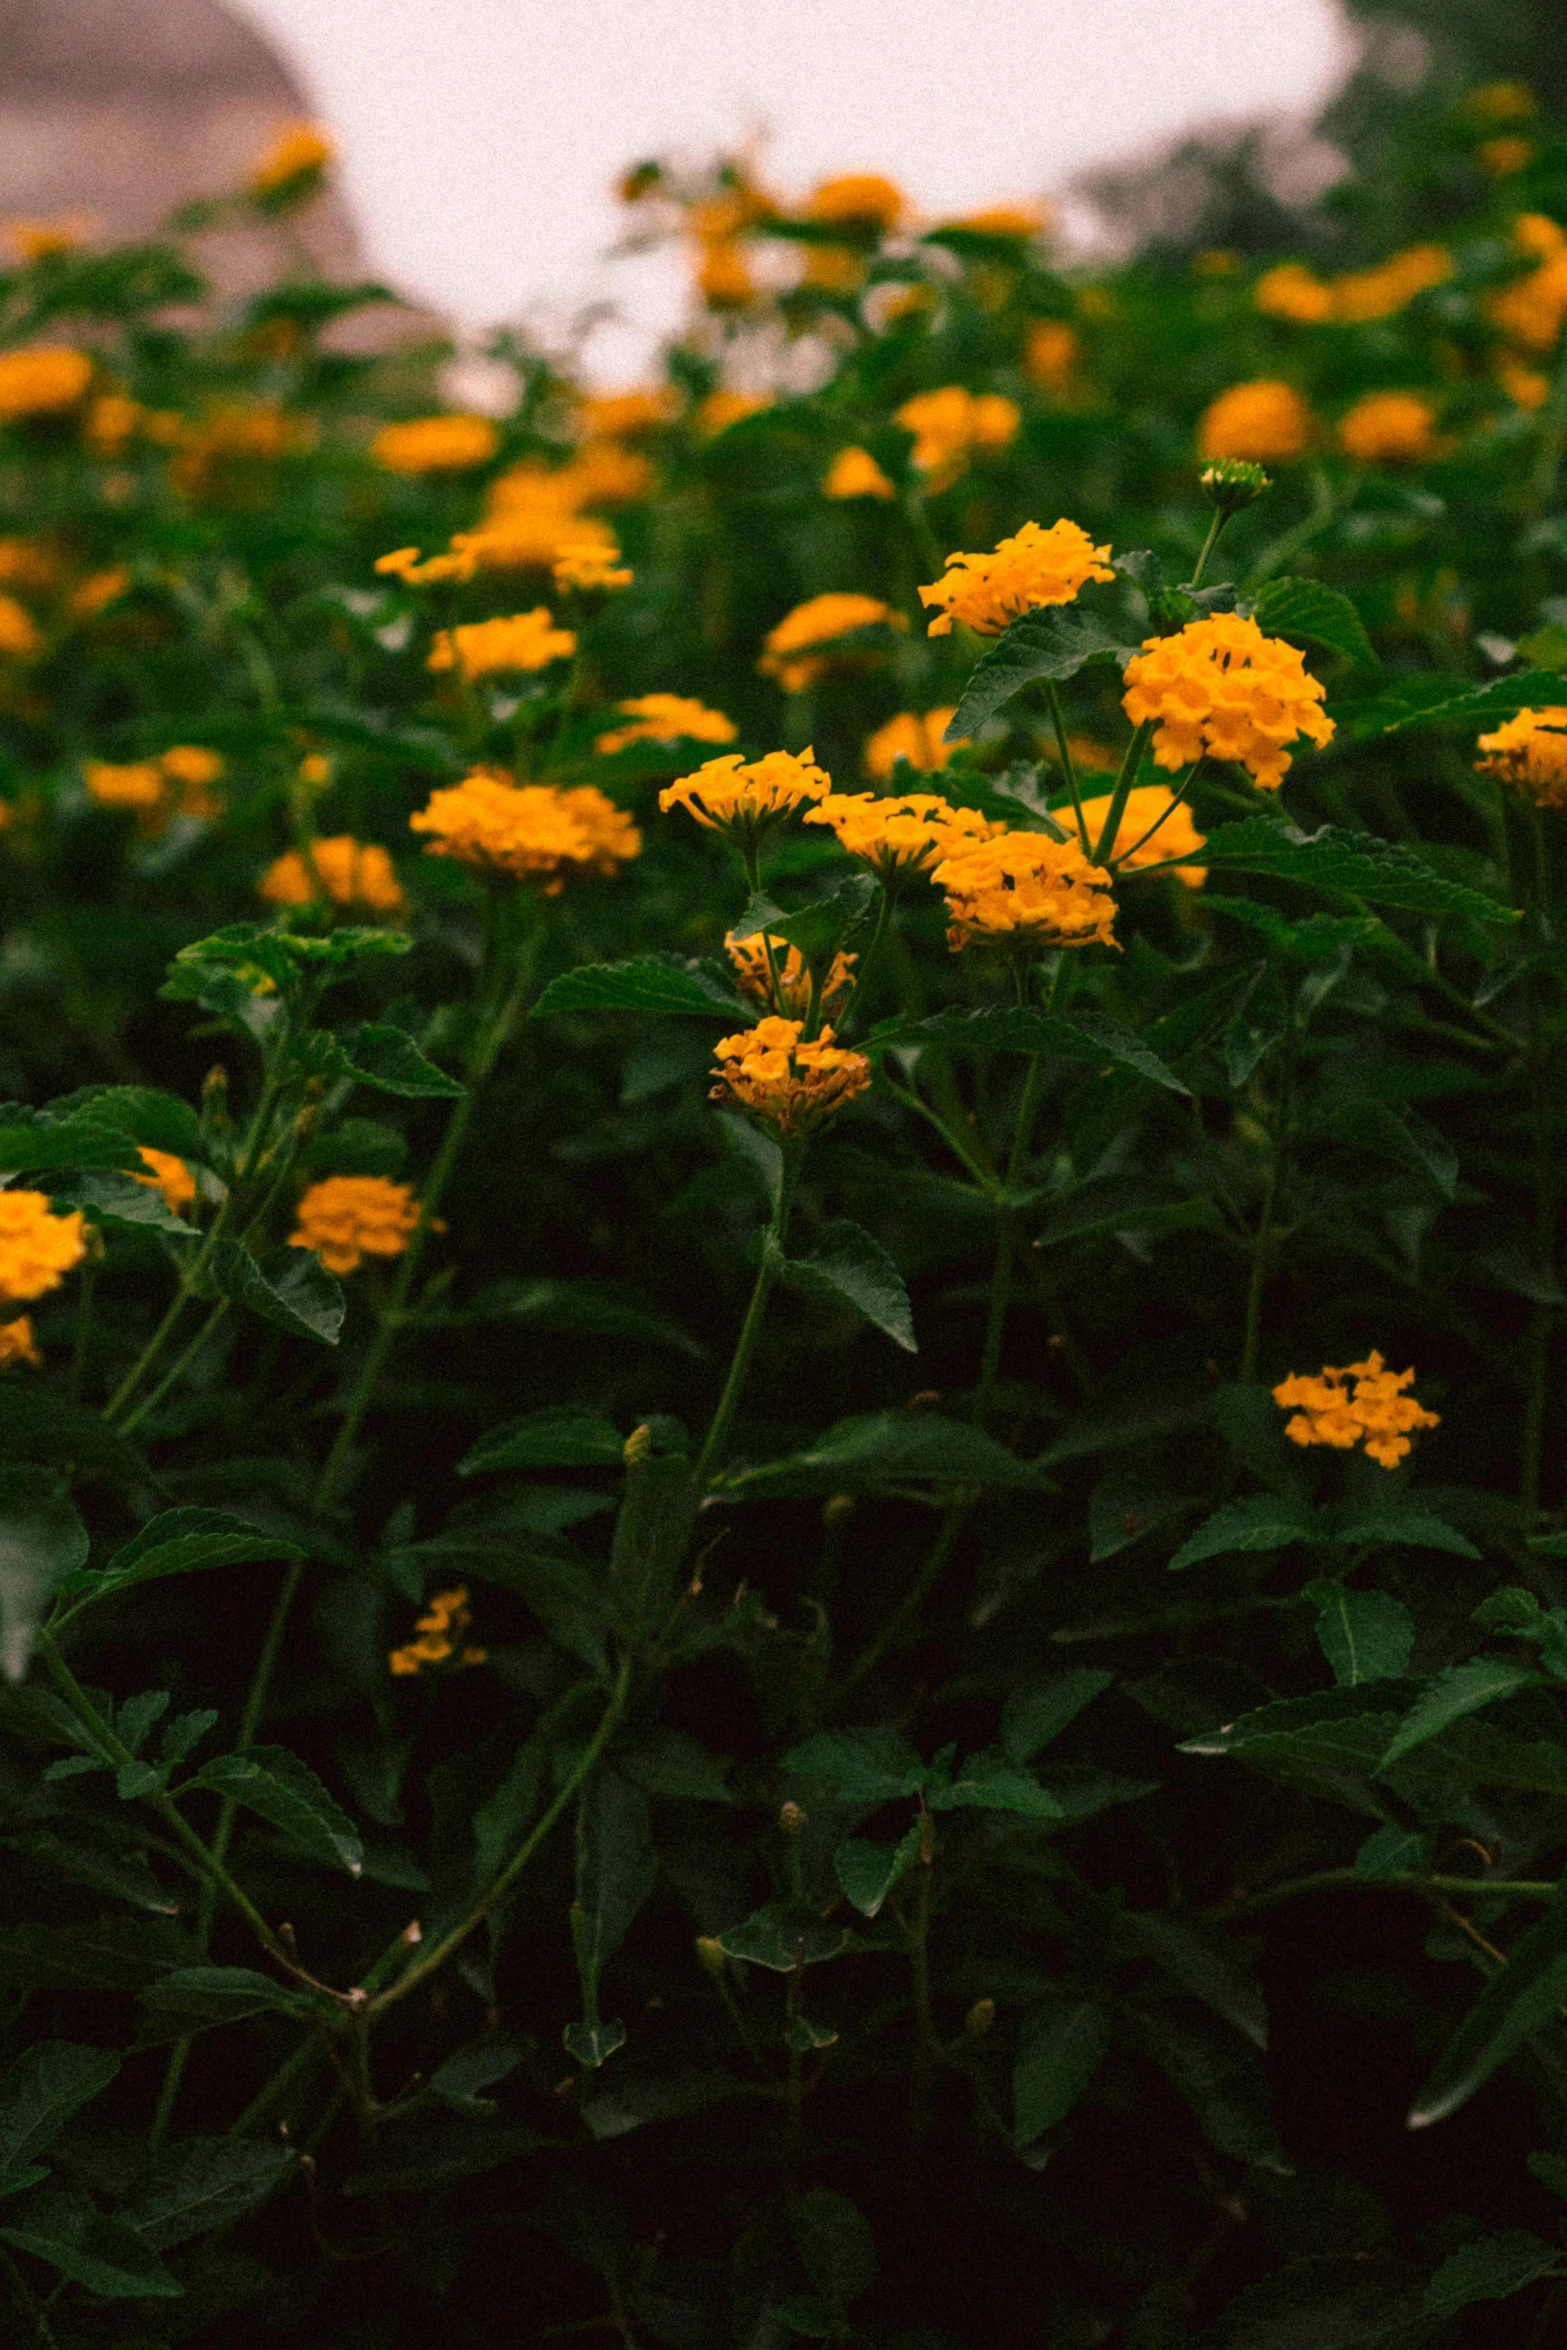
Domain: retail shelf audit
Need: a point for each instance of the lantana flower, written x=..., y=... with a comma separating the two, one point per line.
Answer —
x=341, y=870
x=1220, y=687
x=665, y=719
x=1375, y=1412
x=526, y=641
x=37, y=1247
x=542, y=832
x=902, y=835
x=801, y=648
x=346, y=1218
x=748, y=799
x=793, y=1086
x=1530, y=752
x=1025, y=893
x=1033, y=568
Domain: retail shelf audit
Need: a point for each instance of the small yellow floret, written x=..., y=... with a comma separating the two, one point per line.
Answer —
x=543, y=832
x=951, y=426
x=859, y=200
x=917, y=739
x=1374, y=1412
x=19, y=638
x=854, y=473
x=668, y=719
x=440, y=1628
x=172, y=1177
x=37, y=1247
x=346, y=1218
x=1530, y=752
x=1291, y=290
x=1265, y=421
x=591, y=565
x=296, y=158
x=436, y=444
x=1220, y=687
x=1034, y=568
x=1389, y=428
x=18, y=1345
x=796, y=651
x=498, y=648
x=43, y=381
x=753, y=977
x=906, y=834
x=769, y=1071
x=341, y=871
x=1025, y=892
x=747, y=798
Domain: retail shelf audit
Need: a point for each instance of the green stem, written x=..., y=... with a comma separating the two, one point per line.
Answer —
x=1068, y=764
x=1118, y=797
x=293, y=2066
x=751, y=1327
x=867, y=961
x=1406, y=1880
x=1163, y=819
x=1209, y=543
x=907, y=1612
x=1262, y=1242
x=150, y=1401
x=83, y=1326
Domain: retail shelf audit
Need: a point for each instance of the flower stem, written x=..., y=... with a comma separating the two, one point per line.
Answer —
x=1118, y=797
x=751, y=1327
x=1068, y=764
x=1209, y=543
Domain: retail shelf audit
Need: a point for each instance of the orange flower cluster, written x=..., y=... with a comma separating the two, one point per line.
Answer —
x=591, y=565
x=1220, y=687
x=666, y=718
x=1024, y=892
x=898, y=837
x=227, y=458
x=753, y=978
x=451, y=443
x=854, y=473
x=444, y=1624
x=1266, y=422
x=172, y=1177
x=339, y=871
x=542, y=832
x=18, y=1345
x=917, y=739
x=796, y=652
x=1389, y=428
x=951, y=426
x=862, y=203
x=346, y=1218
x=747, y=799
x=293, y=163
x=497, y=648
x=1374, y=1412
x=1530, y=752
x=792, y=1086
x=44, y=381
x=181, y=782
x=532, y=513
x=1034, y=568
x=1354, y=299
x=1051, y=354
x=37, y=1247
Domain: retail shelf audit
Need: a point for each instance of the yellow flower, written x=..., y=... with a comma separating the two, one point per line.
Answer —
x=789, y=656
x=854, y=473
x=1389, y=428
x=1529, y=387
x=346, y=1218
x=833, y=269
x=1034, y=568
x=1266, y=421
x=42, y=381
x=19, y=638
x=769, y=1071
x=951, y=425
x=1222, y=688
x=753, y=978
x=31, y=565
x=542, y=832
x=297, y=156
x=723, y=276
x=1023, y=221
x=748, y=799
x=1530, y=752
x=1025, y=892
x=1375, y=1411
x=496, y=648
x=620, y=415
x=1052, y=353
x=591, y=565
x=1500, y=158
x=17, y=1344
x=178, y=783
x=919, y=740
x=1146, y=803
x=436, y=444
x=721, y=409
x=140, y=786
x=37, y=1247
x=1503, y=102
x=666, y=718
x=603, y=473
x=193, y=771
x=440, y=1628
x=906, y=834
x=97, y=591
x=1293, y=291
x=38, y=240
x=1530, y=311
x=171, y=1176
x=226, y=459
x=346, y=871
x=1381, y=292
x=859, y=200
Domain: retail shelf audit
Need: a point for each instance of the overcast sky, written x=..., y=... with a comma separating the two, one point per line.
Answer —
x=481, y=138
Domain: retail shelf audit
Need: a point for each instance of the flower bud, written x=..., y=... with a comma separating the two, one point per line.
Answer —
x=710, y=1956
x=1233, y=483
x=791, y=1819
x=837, y=1508
x=638, y=1447
x=979, y=2019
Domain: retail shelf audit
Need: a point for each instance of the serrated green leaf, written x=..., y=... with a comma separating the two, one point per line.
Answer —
x=1305, y=607
x=847, y=1267
x=1490, y=2270
x=90, y=2248
x=49, y=2082
x=1222, y=2079
x=597, y=1309
x=616, y=1865
x=179, y=1542
x=1052, y=644
x=288, y=1286
x=114, y=1198
x=1365, y=1635
x=1433, y=701
x=1456, y=1691
x=1203, y=1960
x=1087, y=1035
x=1516, y=2000
x=836, y=2248
x=879, y=1450
x=593, y=2044
x=277, y=1786
x=559, y=1437
x=868, y=1870
x=388, y=1059
x=1354, y=864
x=1060, y=2048
x=818, y=931
x=1390, y=1852
x=1409, y=1142
x=657, y=983
x=988, y=1782
x=112, y=1953
x=869, y=1764
x=201, y=2184
x=421, y=2157
x=1333, y=2302
x=782, y=1936
x=1262, y=1521
x=199, y=1998
x=1041, y=1710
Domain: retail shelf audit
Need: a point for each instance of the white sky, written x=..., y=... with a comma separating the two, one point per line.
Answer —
x=481, y=138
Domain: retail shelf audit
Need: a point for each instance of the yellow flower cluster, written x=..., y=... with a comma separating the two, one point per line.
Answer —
x=854, y=473
x=542, y=832
x=452, y=443
x=912, y=737
x=44, y=381
x=227, y=458
x=346, y=1218
x=1266, y=422
x=499, y=648
x=1532, y=309
x=951, y=426
x=591, y=565
x=340, y=870
x=1051, y=354
x=1147, y=804
x=1293, y=291
x=1530, y=752
x=1220, y=687
x=444, y=1624
x=19, y=637
x=623, y=415
x=172, y=1177
x=861, y=202
x=795, y=652
x=297, y=157
x=532, y=513
x=37, y=1247
x=753, y=978
x=898, y=837
x=182, y=782
x=1023, y=573
x=18, y=1345
x=771, y=1072
x=1024, y=892
x=666, y=718
x=747, y=798
x=1389, y=428
x=40, y=240
x=1375, y=1411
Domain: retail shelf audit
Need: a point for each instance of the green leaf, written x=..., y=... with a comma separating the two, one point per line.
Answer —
x=40, y=1145
x=1390, y=1852
x=1333, y=1729
x=1457, y=1690
x=112, y=1198
x=837, y=2250
x=1060, y=2048
x=179, y=1542
x=1396, y=1517
x=47, y=2084
x=200, y=2184
x=1517, y=1999
x=1490, y=2270
x=671, y=1762
x=1041, y=1710
x=1356, y=864
x=881, y=1450
x=1046, y=645
x=420, y=2157
x=782, y=1936
x=1432, y=701
x=280, y=1788
x=820, y=930
x=1365, y=1125
x=41, y=1540
x=1117, y=1203
x=559, y=1437
x=1332, y=2302
x=37, y=1425
x=288, y=1286
x=388, y=1059
x=868, y=1871
x=598, y=1309
x=657, y=983
x=1202, y=1959
x=593, y=2044
x=1088, y=1035
x=1304, y=607
x=1262, y=1521
x=616, y=1865
x=1551, y=2171
x=198, y=1998
x=652, y=1531
x=988, y=1782
x=1222, y=2079
x=1365, y=1635
x=90, y=2248
x=871, y=1764
x=847, y=1267
x=112, y=1953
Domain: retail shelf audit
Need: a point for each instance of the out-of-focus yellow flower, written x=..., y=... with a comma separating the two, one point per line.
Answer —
x=1389, y=428
x=1052, y=353
x=668, y=719
x=170, y=1175
x=833, y=269
x=723, y=277
x=1529, y=387
x=1025, y=893
x=193, y=771
x=797, y=651
x=858, y=200
x=1220, y=687
x=33, y=566
x=1381, y=292
x=543, y=832
x=1146, y=804
x=18, y=1345
x=498, y=648
x=854, y=473
x=140, y=786
x=721, y=409
x=917, y=739
x=1265, y=421
x=1531, y=310
x=792, y=1086
x=40, y=240
x=37, y=1247
x=340, y=869
x=45, y=380
x=748, y=799
x=951, y=426
x=592, y=566
x=898, y=837
x=1530, y=752
x=1291, y=290
x=622, y=415
x=1506, y=101
x=444, y=1624
x=293, y=163
x=1033, y=568
x=97, y=591
x=1374, y=1412
x=1500, y=158
x=19, y=638
x=753, y=978
x=605, y=473
x=346, y=1218
x=436, y=444
x=1022, y=221
x=227, y=458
